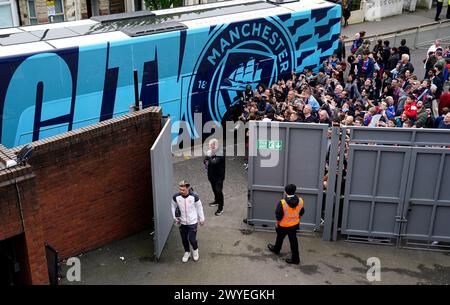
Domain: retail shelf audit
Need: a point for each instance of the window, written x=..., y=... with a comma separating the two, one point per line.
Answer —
x=5, y=14
x=356, y=5
x=59, y=8
x=137, y=5
x=32, y=12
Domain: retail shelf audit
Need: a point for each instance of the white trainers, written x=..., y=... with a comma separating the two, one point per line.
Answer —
x=195, y=255
x=186, y=257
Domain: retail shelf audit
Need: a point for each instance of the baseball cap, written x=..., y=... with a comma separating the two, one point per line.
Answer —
x=184, y=183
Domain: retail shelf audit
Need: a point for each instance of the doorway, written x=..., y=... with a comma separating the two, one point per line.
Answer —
x=13, y=263
x=92, y=8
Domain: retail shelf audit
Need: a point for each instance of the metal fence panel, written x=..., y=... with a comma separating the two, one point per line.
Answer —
x=301, y=161
x=401, y=136
x=162, y=181
x=374, y=190
x=427, y=204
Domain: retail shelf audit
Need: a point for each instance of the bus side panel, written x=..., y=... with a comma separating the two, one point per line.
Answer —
x=258, y=51
x=315, y=35
x=201, y=70
x=36, y=95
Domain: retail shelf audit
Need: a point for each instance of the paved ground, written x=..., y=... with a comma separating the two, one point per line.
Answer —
x=404, y=21
x=231, y=254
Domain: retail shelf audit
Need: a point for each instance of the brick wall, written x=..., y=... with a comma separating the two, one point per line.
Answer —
x=17, y=200
x=85, y=188
x=10, y=218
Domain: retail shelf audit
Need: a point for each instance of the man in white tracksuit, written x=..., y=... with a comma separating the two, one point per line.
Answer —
x=187, y=211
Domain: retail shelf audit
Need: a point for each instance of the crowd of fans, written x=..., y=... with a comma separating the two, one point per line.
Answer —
x=373, y=86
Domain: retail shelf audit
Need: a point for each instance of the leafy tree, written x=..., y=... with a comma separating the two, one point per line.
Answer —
x=161, y=4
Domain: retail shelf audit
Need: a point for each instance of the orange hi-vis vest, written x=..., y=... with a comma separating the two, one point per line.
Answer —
x=291, y=216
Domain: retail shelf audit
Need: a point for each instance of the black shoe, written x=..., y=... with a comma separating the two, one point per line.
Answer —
x=292, y=261
x=437, y=19
x=213, y=204
x=218, y=212
x=272, y=248
x=244, y=220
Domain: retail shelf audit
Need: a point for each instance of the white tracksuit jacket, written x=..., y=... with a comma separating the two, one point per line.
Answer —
x=190, y=207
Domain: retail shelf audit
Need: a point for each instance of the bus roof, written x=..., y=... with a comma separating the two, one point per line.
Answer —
x=27, y=39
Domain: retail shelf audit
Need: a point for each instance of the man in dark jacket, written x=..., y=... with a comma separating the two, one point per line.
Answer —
x=386, y=53
x=405, y=65
x=340, y=51
x=215, y=164
x=438, y=80
x=366, y=66
x=403, y=49
x=288, y=213
x=392, y=60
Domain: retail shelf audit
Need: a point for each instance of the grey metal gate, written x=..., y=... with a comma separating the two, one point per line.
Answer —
x=301, y=150
x=375, y=190
x=162, y=181
x=427, y=203
x=396, y=186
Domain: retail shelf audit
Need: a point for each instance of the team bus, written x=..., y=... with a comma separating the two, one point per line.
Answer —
x=63, y=76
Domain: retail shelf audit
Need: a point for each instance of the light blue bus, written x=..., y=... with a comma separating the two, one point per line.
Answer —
x=59, y=77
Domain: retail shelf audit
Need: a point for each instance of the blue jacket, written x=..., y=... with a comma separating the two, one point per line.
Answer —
x=367, y=69
x=390, y=112
x=314, y=103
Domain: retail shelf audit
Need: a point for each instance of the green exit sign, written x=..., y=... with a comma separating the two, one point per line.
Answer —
x=271, y=145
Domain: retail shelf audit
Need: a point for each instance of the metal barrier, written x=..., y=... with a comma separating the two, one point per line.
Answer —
x=421, y=36
x=301, y=154
x=385, y=186
x=394, y=187
x=427, y=200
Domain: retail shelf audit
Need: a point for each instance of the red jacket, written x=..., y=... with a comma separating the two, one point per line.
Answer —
x=444, y=101
x=411, y=110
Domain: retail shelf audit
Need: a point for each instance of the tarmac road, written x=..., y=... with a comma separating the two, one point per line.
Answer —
x=230, y=253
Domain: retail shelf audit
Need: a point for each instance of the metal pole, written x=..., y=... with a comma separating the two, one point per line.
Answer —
x=330, y=195
x=136, y=94
x=395, y=39
x=416, y=36
x=438, y=32
x=337, y=204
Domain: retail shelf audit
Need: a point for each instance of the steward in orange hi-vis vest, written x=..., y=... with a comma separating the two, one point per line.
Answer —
x=291, y=215
x=288, y=213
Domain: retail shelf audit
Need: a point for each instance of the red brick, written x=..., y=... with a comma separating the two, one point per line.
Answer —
x=90, y=187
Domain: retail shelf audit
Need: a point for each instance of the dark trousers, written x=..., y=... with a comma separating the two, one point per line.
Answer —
x=292, y=235
x=217, y=187
x=189, y=235
x=345, y=22
x=438, y=9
